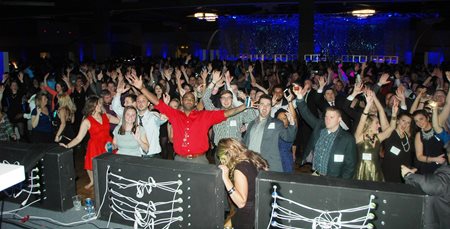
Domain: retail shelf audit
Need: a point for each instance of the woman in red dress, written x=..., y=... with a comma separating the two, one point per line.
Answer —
x=97, y=123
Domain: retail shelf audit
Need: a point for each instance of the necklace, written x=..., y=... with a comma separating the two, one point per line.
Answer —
x=406, y=146
x=371, y=139
x=427, y=135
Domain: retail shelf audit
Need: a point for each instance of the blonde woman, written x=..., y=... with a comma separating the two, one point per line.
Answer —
x=64, y=118
x=240, y=167
x=41, y=120
x=368, y=141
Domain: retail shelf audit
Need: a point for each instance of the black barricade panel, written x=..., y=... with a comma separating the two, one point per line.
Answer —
x=24, y=154
x=155, y=193
x=49, y=175
x=305, y=201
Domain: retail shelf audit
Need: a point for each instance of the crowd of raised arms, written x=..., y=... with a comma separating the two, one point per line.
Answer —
x=351, y=120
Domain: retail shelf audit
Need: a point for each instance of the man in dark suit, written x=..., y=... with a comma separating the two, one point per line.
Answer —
x=327, y=97
x=264, y=132
x=333, y=150
x=304, y=130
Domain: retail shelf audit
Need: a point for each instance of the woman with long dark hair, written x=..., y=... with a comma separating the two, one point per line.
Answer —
x=429, y=148
x=240, y=167
x=97, y=123
x=129, y=137
x=398, y=149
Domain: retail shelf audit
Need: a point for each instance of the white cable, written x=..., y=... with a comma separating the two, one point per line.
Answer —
x=144, y=214
x=325, y=218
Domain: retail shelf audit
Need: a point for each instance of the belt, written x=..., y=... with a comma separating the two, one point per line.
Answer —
x=191, y=156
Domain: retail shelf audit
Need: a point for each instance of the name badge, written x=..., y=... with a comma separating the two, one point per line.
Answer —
x=233, y=123
x=395, y=150
x=338, y=158
x=367, y=156
x=271, y=126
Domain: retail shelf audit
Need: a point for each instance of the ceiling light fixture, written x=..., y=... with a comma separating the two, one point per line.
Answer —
x=363, y=13
x=206, y=16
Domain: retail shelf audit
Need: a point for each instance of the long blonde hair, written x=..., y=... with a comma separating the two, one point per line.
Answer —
x=64, y=100
x=232, y=151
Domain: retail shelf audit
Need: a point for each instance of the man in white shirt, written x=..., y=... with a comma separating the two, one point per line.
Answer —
x=150, y=120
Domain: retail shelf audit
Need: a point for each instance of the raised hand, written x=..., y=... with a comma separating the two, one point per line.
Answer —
x=228, y=77
x=299, y=91
x=20, y=76
x=121, y=87
x=166, y=98
x=358, y=89
x=400, y=93
x=395, y=107
x=135, y=81
x=216, y=77
x=178, y=74
x=322, y=82
x=384, y=79
x=369, y=97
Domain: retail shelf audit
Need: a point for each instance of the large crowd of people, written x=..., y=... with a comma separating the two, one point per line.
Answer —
x=353, y=120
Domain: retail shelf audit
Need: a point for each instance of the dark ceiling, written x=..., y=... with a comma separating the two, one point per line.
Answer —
x=178, y=11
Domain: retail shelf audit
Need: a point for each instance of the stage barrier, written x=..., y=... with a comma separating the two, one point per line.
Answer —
x=305, y=201
x=156, y=193
x=49, y=175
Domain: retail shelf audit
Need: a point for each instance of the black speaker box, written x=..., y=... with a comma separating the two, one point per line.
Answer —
x=163, y=193
x=53, y=172
x=305, y=201
x=59, y=178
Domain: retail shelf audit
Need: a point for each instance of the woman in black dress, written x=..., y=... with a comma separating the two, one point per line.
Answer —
x=240, y=167
x=429, y=148
x=398, y=149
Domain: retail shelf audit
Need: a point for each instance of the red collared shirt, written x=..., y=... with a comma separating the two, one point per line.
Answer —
x=190, y=132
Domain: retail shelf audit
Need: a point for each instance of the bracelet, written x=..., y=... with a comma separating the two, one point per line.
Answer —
x=365, y=114
x=231, y=190
x=394, y=118
x=407, y=174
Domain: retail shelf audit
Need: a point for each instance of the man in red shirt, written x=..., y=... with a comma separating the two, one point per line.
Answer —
x=190, y=126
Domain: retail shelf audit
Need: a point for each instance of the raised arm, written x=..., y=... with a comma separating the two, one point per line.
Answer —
x=446, y=110
x=420, y=96
x=235, y=111
x=435, y=119
x=138, y=84
x=359, y=137
x=381, y=114
x=387, y=133
x=306, y=114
